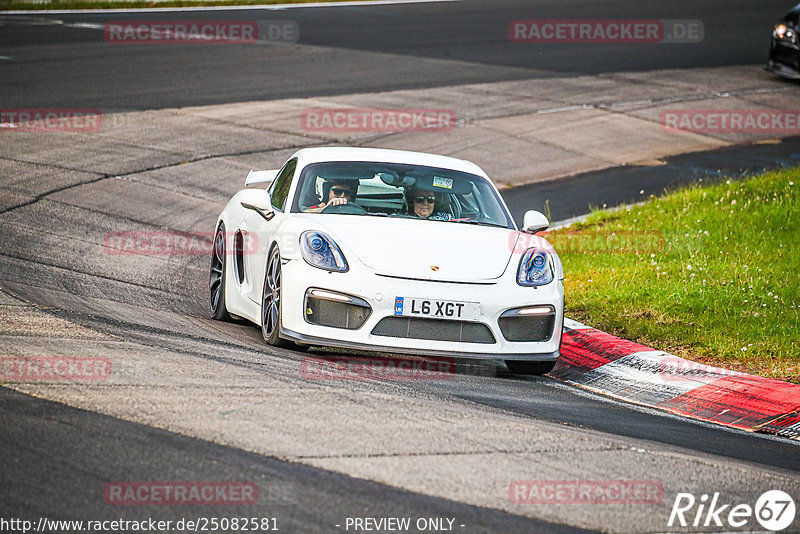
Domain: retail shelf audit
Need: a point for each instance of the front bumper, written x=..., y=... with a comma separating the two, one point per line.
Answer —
x=380, y=292
x=784, y=60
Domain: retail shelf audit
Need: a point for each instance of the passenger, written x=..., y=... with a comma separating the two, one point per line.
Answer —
x=423, y=204
x=339, y=192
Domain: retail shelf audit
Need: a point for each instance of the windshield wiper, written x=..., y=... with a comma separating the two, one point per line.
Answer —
x=484, y=223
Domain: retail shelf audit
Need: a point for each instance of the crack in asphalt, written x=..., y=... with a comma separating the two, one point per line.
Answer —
x=462, y=453
x=73, y=237
x=149, y=287
x=105, y=176
x=114, y=326
x=668, y=99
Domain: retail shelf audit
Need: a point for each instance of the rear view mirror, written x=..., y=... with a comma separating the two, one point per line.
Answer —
x=396, y=180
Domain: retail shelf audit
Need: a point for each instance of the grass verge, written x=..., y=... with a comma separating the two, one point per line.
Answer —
x=45, y=5
x=710, y=273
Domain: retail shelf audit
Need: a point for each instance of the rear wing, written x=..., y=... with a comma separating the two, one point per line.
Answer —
x=260, y=177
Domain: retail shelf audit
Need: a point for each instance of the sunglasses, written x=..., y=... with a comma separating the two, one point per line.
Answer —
x=341, y=191
x=420, y=199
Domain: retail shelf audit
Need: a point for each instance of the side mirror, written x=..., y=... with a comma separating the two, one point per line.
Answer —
x=534, y=221
x=258, y=200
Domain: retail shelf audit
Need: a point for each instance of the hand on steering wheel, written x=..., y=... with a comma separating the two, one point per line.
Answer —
x=345, y=208
x=336, y=201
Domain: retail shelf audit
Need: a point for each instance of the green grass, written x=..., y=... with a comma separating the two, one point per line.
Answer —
x=12, y=5
x=710, y=273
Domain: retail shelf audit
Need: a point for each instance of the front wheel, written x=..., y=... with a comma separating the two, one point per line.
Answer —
x=271, y=302
x=217, y=277
x=529, y=368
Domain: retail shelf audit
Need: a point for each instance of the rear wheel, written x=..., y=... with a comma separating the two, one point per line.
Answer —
x=216, y=281
x=271, y=302
x=529, y=368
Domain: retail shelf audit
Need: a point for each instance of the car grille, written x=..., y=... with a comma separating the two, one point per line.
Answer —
x=434, y=330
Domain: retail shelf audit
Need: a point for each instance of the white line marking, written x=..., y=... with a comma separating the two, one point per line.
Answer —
x=41, y=21
x=5, y=57
x=275, y=7
x=574, y=325
x=84, y=25
x=565, y=108
x=566, y=223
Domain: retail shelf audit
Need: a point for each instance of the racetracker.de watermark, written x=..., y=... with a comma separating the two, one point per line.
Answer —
x=377, y=120
x=180, y=493
x=585, y=491
x=166, y=243
x=587, y=242
x=603, y=31
x=50, y=120
x=351, y=368
x=54, y=368
x=200, y=31
x=766, y=121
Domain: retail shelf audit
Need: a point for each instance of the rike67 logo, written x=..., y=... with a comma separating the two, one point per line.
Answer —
x=774, y=510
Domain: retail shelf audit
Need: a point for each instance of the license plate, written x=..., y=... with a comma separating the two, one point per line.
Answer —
x=437, y=309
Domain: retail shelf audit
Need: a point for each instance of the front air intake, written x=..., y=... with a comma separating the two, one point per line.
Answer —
x=533, y=323
x=434, y=330
x=337, y=310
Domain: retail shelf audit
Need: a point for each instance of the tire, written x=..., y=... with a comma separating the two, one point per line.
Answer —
x=529, y=368
x=271, y=302
x=218, y=277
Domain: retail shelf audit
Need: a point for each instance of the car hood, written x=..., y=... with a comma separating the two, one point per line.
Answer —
x=428, y=250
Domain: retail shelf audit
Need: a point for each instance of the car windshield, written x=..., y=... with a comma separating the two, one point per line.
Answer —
x=399, y=190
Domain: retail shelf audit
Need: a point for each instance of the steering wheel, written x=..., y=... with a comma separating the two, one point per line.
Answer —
x=345, y=209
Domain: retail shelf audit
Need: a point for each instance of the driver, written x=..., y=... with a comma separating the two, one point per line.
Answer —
x=339, y=192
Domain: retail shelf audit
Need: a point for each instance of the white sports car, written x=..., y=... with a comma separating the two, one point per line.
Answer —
x=391, y=251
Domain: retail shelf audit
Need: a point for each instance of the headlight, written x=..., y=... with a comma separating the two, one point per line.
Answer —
x=534, y=268
x=320, y=251
x=782, y=31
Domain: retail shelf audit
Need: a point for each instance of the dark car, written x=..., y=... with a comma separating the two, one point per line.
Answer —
x=784, y=50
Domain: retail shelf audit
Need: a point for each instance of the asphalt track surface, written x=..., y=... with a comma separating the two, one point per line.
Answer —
x=353, y=49
x=36, y=483
x=55, y=458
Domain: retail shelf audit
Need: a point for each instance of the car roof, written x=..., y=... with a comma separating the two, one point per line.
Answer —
x=306, y=156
